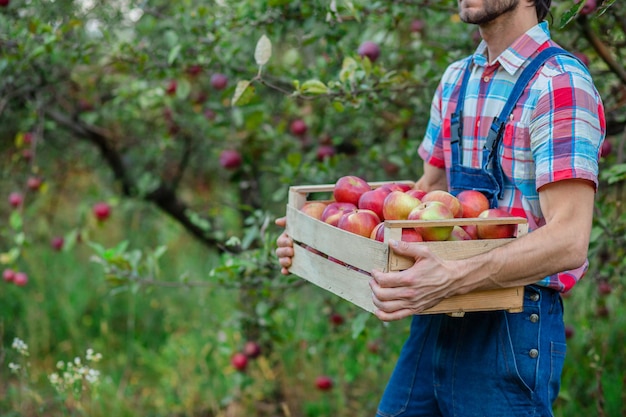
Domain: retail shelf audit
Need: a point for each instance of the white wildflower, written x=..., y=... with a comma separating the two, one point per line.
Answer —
x=20, y=346
x=14, y=367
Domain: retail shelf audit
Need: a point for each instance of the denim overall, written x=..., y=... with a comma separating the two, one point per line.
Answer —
x=485, y=364
x=488, y=179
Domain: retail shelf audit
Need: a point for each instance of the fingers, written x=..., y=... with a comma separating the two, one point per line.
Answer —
x=281, y=221
x=284, y=252
x=409, y=249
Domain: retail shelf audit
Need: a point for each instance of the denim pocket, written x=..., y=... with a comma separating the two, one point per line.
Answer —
x=557, y=359
x=521, y=352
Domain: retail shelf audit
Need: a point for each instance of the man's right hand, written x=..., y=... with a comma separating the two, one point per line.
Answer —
x=284, y=250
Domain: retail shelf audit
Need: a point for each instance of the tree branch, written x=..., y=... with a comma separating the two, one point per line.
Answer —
x=602, y=50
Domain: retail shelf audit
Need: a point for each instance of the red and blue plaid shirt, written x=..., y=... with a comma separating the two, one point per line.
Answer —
x=554, y=133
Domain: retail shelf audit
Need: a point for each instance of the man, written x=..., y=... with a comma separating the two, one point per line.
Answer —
x=540, y=162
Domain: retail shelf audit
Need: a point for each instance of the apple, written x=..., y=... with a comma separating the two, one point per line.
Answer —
x=298, y=127
x=417, y=25
x=239, y=361
x=336, y=319
x=101, y=210
x=29, y=137
x=495, y=231
x=170, y=90
x=417, y=193
x=432, y=210
x=446, y=198
x=398, y=205
x=230, y=159
x=4, y=3
x=333, y=212
x=569, y=332
x=373, y=200
x=324, y=383
x=473, y=202
x=349, y=188
x=369, y=49
x=324, y=152
x=252, y=349
x=589, y=7
x=8, y=275
x=210, y=114
x=314, y=208
x=605, y=149
x=604, y=288
x=471, y=230
x=194, y=70
x=458, y=233
x=219, y=81
x=20, y=279
x=408, y=235
x=34, y=183
x=359, y=221
x=57, y=243
x=16, y=199
x=396, y=186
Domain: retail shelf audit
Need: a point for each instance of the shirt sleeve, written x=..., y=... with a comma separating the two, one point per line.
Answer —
x=567, y=129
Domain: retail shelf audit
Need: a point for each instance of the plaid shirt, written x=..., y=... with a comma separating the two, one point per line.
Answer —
x=554, y=133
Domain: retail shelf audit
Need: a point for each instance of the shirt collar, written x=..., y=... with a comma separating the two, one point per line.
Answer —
x=519, y=52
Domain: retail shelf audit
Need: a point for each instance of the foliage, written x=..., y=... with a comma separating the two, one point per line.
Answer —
x=116, y=101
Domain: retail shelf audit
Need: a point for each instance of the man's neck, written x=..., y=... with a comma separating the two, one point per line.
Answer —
x=499, y=34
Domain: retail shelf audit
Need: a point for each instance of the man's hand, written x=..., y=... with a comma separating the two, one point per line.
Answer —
x=400, y=294
x=284, y=251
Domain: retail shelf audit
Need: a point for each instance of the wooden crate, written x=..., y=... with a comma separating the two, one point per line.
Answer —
x=349, y=278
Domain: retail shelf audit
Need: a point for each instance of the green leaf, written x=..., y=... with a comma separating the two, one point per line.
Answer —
x=263, y=51
x=243, y=93
x=174, y=52
x=571, y=14
x=314, y=87
x=15, y=220
x=183, y=89
x=348, y=67
x=358, y=324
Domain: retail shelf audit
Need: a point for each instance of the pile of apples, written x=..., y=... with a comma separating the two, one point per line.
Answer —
x=361, y=209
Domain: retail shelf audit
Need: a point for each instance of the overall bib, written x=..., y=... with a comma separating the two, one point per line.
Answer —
x=489, y=179
x=485, y=364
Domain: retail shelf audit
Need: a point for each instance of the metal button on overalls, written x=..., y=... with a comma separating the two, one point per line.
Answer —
x=534, y=297
x=533, y=353
x=534, y=318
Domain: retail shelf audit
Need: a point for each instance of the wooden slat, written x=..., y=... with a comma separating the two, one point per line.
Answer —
x=363, y=253
x=347, y=283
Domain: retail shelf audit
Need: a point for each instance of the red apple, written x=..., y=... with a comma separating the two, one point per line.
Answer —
x=230, y=159
x=446, y=198
x=8, y=275
x=20, y=279
x=349, y=188
x=16, y=199
x=569, y=331
x=29, y=137
x=4, y=3
x=34, y=183
x=194, y=69
x=417, y=25
x=471, y=230
x=333, y=212
x=359, y=221
x=324, y=383
x=219, y=81
x=170, y=90
x=417, y=193
x=324, y=152
x=432, y=210
x=57, y=243
x=239, y=361
x=252, y=349
x=495, y=231
x=408, y=235
x=101, y=210
x=336, y=319
x=605, y=149
x=314, y=208
x=369, y=49
x=396, y=186
x=458, y=233
x=373, y=200
x=298, y=127
x=398, y=205
x=604, y=288
x=589, y=7
x=473, y=202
